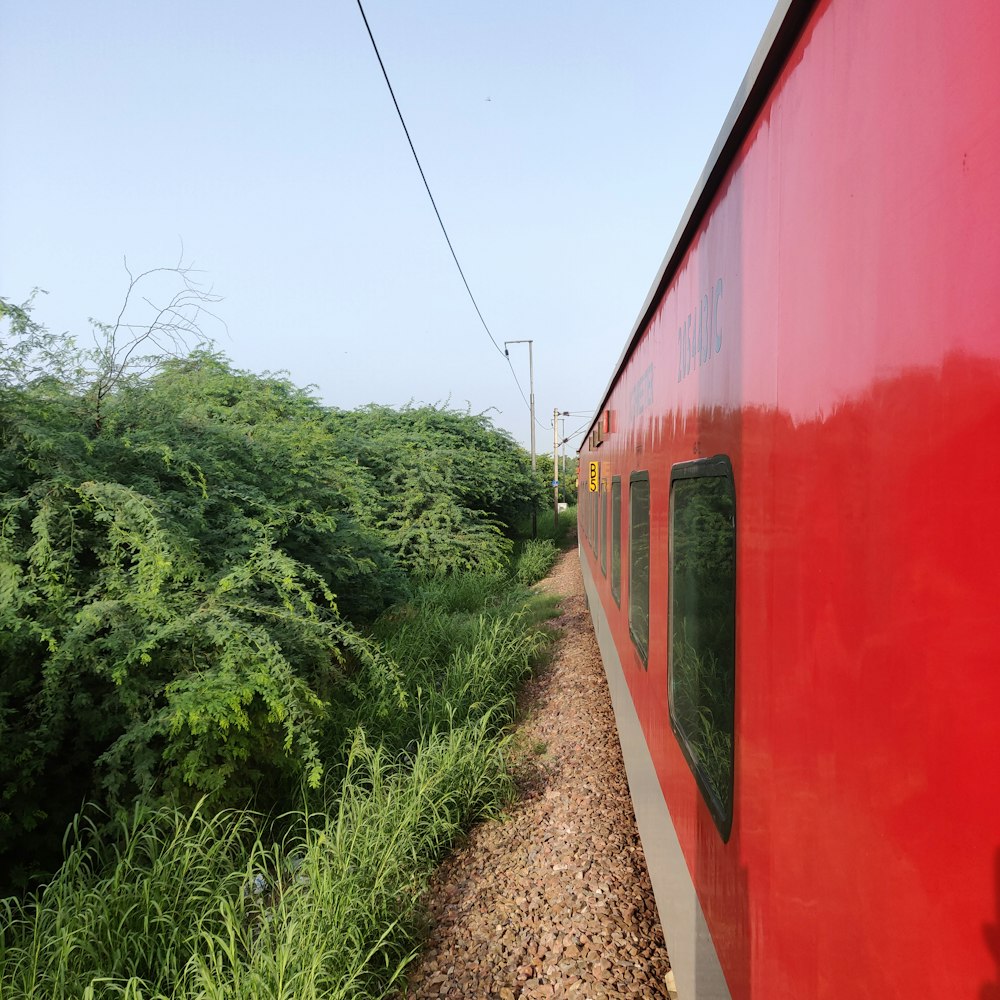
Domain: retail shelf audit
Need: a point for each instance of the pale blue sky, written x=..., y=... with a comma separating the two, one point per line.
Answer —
x=562, y=141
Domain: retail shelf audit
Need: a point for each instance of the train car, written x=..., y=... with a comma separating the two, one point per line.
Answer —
x=790, y=522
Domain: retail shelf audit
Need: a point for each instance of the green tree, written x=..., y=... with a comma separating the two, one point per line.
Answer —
x=451, y=487
x=187, y=552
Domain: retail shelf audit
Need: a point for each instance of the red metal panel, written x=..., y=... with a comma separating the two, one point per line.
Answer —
x=833, y=329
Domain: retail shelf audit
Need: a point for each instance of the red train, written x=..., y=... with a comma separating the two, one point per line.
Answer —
x=791, y=543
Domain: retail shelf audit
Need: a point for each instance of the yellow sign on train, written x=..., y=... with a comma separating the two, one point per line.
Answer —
x=595, y=476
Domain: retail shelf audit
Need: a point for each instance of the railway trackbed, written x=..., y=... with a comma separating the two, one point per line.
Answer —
x=553, y=900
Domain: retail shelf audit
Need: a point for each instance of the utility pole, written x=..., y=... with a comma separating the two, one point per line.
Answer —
x=531, y=406
x=556, y=414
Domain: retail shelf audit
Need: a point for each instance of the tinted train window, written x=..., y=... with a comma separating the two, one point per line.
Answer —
x=702, y=595
x=616, y=539
x=638, y=555
x=604, y=528
x=593, y=523
x=590, y=518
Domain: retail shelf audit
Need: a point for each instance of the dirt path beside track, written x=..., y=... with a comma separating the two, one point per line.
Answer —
x=554, y=900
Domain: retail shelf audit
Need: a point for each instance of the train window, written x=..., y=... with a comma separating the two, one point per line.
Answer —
x=702, y=625
x=616, y=539
x=638, y=554
x=604, y=528
x=592, y=521
x=595, y=523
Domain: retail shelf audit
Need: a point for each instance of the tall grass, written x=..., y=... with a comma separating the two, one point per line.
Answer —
x=535, y=560
x=561, y=534
x=321, y=902
x=463, y=643
x=204, y=906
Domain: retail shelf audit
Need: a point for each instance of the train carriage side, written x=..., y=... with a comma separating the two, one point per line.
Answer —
x=793, y=552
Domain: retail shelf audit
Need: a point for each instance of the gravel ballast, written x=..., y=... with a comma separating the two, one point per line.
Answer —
x=553, y=900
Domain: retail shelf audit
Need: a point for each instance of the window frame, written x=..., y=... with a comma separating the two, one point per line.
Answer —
x=616, y=541
x=603, y=532
x=718, y=466
x=641, y=646
x=592, y=521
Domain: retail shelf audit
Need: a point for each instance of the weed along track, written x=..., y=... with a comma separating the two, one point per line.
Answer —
x=553, y=899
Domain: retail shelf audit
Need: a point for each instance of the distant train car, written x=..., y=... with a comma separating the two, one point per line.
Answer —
x=790, y=522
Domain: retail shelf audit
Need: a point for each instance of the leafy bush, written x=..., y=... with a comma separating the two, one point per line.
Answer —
x=321, y=903
x=191, y=557
x=187, y=555
x=450, y=485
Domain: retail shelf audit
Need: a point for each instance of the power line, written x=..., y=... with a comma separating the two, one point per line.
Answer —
x=423, y=177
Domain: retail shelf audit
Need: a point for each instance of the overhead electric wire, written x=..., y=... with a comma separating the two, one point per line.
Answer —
x=430, y=195
x=423, y=177
x=577, y=431
x=575, y=413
